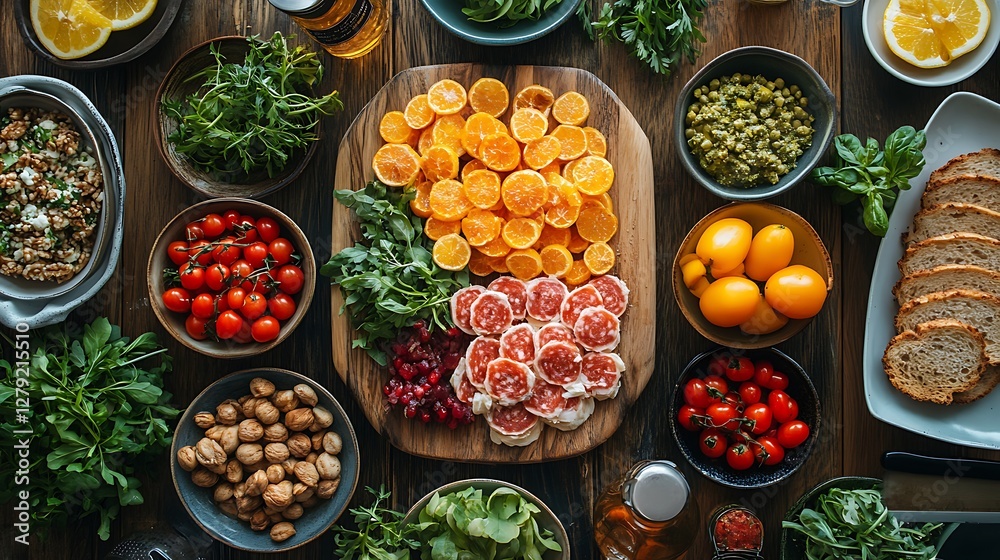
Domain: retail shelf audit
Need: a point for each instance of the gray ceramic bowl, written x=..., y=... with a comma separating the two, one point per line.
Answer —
x=772, y=64
x=800, y=387
x=546, y=519
x=198, y=501
x=449, y=14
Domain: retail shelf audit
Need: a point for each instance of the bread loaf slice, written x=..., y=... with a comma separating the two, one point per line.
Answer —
x=953, y=248
x=988, y=382
x=984, y=162
x=947, y=277
x=976, y=309
x=936, y=360
x=952, y=217
x=971, y=189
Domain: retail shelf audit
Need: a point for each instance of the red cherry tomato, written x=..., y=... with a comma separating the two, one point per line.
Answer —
x=228, y=324
x=201, y=251
x=225, y=252
x=282, y=306
x=178, y=252
x=196, y=328
x=177, y=300
x=235, y=297
x=281, y=250
x=778, y=381
x=783, y=406
x=213, y=225
x=266, y=329
x=222, y=302
x=246, y=231
x=793, y=434
x=718, y=365
x=254, y=305
x=262, y=283
x=255, y=254
x=238, y=272
x=761, y=416
x=750, y=393
x=723, y=415
x=733, y=398
x=268, y=229
x=775, y=452
x=716, y=383
x=193, y=232
x=685, y=417
x=739, y=369
x=696, y=393
x=217, y=277
x=290, y=279
x=245, y=336
x=739, y=457
x=203, y=306
x=712, y=443
x=762, y=372
x=192, y=277
x=230, y=217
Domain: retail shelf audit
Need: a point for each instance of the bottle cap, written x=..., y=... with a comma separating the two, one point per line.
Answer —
x=303, y=8
x=656, y=490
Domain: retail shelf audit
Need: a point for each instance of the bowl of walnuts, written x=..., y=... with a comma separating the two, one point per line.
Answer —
x=265, y=460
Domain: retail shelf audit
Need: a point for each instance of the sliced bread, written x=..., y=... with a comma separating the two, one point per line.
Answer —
x=976, y=309
x=971, y=189
x=983, y=162
x=936, y=360
x=988, y=382
x=953, y=248
x=947, y=277
x=952, y=217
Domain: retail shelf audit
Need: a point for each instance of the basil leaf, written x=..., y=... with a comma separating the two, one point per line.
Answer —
x=849, y=148
x=874, y=215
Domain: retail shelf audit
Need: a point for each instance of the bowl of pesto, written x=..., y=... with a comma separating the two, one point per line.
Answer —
x=753, y=123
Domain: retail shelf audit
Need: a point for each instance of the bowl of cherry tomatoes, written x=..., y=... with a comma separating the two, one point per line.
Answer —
x=745, y=418
x=231, y=277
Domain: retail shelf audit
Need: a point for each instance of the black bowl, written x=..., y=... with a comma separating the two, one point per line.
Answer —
x=800, y=387
x=793, y=548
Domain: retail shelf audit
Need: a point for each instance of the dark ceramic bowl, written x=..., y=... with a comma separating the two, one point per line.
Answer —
x=122, y=46
x=800, y=387
x=449, y=14
x=235, y=533
x=772, y=64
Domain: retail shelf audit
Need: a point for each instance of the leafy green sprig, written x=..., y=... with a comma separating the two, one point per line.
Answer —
x=506, y=12
x=380, y=534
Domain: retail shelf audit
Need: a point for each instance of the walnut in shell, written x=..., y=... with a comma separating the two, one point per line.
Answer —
x=285, y=401
x=260, y=387
x=275, y=473
x=282, y=531
x=187, y=458
x=249, y=453
x=328, y=466
x=234, y=471
x=332, y=443
x=250, y=431
x=256, y=483
x=299, y=445
x=204, y=420
x=306, y=473
x=306, y=394
x=293, y=511
x=204, y=477
x=230, y=439
x=279, y=496
x=266, y=412
x=260, y=521
x=226, y=413
x=223, y=491
x=228, y=507
x=275, y=433
x=323, y=419
x=209, y=453
x=326, y=488
x=275, y=452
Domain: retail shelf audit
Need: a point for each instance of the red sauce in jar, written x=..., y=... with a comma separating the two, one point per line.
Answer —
x=738, y=529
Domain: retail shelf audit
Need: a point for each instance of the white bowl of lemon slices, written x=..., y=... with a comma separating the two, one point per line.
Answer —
x=932, y=44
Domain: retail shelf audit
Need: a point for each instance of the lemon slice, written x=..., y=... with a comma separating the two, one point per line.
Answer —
x=69, y=28
x=124, y=14
x=932, y=33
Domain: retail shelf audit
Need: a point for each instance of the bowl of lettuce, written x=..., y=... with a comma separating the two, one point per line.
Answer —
x=486, y=519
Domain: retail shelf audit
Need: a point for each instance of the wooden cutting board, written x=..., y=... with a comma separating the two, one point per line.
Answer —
x=632, y=193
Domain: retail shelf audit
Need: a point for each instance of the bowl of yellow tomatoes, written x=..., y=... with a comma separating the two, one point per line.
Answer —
x=751, y=275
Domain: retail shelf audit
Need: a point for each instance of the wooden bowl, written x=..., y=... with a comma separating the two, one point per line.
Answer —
x=809, y=251
x=174, y=86
x=122, y=46
x=198, y=501
x=174, y=231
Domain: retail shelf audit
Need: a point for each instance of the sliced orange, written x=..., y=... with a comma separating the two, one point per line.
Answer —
x=420, y=204
x=470, y=166
x=553, y=236
x=490, y=96
x=451, y=252
x=541, y=152
x=599, y=258
x=572, y=141
x=554, y=167
x=521, y=233
x=593, y=175
x=69, y=28
x=482, y=188
x=578, y=273
x=930, y=34
x=446, y=97
x=561, y=189
x=425, y=141
x=536, y=97
x=440, y=162
x=576, y=244
x=524, y=263
x=418, y=113
x=479, y=264
x=436, y=229
x=499, y=264
x=597, y=144
x=571, y=108
x=604, y=199
x=394, y=129
x=124, y=14
x=413, y=140
x=497, y=248
x=594, y=224
x=480, y=227
x=567, y=170
x=524, y=192
x=528, y=124
x=500, y=152
x=396, y=165
x=448, y=201
x=556, y=260
x=447, y=131
x=562, y=215
x=477, y=127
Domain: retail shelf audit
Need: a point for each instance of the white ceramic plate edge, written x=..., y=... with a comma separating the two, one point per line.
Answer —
x=956, y=423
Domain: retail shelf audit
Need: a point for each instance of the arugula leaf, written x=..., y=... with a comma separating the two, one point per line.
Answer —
x=8, y=159
x=506, y=12
x=380, y=535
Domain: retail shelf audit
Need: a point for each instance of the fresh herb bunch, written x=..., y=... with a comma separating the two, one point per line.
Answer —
x=251, y=116
x=506, y=12
x=851, y=524
x=390, y=280
x=96, y=417
x=657, y=32
x=380, y=534
x=873, y=175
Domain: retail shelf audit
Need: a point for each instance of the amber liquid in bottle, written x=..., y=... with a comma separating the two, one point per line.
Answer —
x=350, y=28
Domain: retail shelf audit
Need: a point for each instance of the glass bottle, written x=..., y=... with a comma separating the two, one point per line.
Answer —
x=345, y=28
x=649, y=514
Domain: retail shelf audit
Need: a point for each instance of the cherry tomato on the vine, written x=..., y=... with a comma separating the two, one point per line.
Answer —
x=778, y=381
x=712, y=443
x=245, y=336
x=740, y=457
x=282, y=306
x=230, y=217
x=739, y=369
x=793, y=434
x=761, y=417
x=192, y=277
x=203, y=306
x=239, y=271
x=217, y=277
x=201, y=251
x=266, y=329
x=255, y=254
x=290, y=279
x=723, y=415
x=225, y=251
x=234, y=297
x=177, y=299
x=783, y=406
x=716, y=383
x=177, y=252
x=196, y=328
x=696, y=393
x=228, y=324
x=750, y=393
x=281, y=251
x=193, y=232
x=245, y=229
x=685, y=417
x=762, y=373
x=775, y=452
x=254, y=305
x=213, y=225
x=268, y=229
x=718, y=365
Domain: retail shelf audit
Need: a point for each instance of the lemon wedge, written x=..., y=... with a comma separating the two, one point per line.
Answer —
x=932, y=33
x=69, y=28
x=124, y=14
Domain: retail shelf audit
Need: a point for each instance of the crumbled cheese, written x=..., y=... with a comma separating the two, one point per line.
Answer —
x=28, y=212
x=28, y=176
x=48, y=124
x=39, y=222
x=18, y=254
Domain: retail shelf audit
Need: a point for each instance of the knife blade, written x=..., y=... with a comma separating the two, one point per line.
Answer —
x=936, y=489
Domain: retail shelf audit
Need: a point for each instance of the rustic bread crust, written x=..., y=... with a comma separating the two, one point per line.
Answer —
x=933, y=196
x=958, y=165
x=944, y=270
x=989, y=217
x=941, y=240
x=937, y=297
x=988, y=382
x=921, y=393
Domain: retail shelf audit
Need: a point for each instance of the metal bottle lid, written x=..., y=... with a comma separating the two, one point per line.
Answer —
x=656, y=490
x=303, y=8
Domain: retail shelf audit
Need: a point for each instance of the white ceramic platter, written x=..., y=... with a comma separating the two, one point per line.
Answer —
x=964, y=122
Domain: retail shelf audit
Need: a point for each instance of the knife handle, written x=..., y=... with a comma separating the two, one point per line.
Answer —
x=938, y=466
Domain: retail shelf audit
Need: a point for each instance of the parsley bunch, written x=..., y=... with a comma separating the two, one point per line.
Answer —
x=380, y=535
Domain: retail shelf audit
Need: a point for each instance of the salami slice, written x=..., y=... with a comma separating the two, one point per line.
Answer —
x=614, y=293
x=518, y=343
x=558, y=363
x=578, y=300
x=546, y=401
x=553, y=332
x=521, y=440
x=511, y=420
x=464, y=389
x=545, y=296
x=508, y=382
x=491, y=313
x=602, y=374
x=461, y=307
x=481, y=352
x=597, y=329
x=578, y=410
x=517, y=293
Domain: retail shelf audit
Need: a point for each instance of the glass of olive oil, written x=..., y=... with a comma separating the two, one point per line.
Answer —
x=345, y=28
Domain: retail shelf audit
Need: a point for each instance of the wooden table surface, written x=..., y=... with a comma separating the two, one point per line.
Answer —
x=872, y=103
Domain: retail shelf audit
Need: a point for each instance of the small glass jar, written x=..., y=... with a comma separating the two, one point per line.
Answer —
x=737, y=533
x=345, y=28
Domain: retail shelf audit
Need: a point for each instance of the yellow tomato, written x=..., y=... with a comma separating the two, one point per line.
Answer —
x=692, y=271
x=765, y=320
x=796, y=291
x=729, y=301
x=770, y=251
x=738, y=271
x=725, y=243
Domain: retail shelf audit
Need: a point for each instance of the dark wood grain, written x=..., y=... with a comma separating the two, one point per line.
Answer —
x=871, y=103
